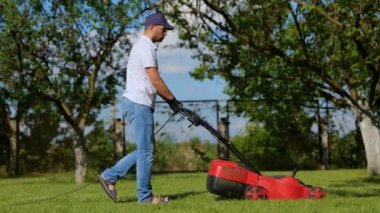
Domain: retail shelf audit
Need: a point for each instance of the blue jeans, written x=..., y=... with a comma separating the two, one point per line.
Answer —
x=141, y=124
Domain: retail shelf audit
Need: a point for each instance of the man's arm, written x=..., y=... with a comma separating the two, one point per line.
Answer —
x=159, y=84
x=162, y=89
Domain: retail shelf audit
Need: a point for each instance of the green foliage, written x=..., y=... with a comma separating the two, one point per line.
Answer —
x=269, y=150
x=62, y=156
x=80, y=46
x=36, y=146
x=100, y=147
x=286, y=53
x=279, y=136
x=347, y=152
x=301, y=50
x=190, y=155
x=164, y=151
x=68, y=53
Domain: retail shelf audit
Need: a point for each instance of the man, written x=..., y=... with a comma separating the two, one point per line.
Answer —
x=143, y=84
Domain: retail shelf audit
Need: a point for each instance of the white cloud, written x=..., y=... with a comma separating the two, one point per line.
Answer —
x=173, y=59
x=174, y=68
x=238, y=125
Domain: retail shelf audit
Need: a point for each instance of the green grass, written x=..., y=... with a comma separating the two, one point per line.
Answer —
x=348, y=191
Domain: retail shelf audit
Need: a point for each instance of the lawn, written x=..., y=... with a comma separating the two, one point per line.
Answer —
x=348, y=191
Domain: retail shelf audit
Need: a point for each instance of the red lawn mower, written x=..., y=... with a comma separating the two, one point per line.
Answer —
x=231, y=180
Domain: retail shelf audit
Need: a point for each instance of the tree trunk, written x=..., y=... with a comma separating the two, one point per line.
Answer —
x=371, y=140
x=80, y=159
x=323, y=137
x=118, y=139
x=14, y=146
x=223, y=152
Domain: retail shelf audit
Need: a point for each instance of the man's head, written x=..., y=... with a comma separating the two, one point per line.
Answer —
x=156, y=26
x=158, y=19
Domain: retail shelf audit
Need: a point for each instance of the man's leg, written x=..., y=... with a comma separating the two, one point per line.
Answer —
x=121, y=168
x=144, y=138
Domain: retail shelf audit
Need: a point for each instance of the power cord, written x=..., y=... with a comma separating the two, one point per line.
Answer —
x=165, y=123
x=51, y=198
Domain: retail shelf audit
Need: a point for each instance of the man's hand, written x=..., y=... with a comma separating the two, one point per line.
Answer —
x=175, y=105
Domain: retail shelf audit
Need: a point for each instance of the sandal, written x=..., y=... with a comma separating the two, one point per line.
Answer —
x=156, y=200
x=110, y=192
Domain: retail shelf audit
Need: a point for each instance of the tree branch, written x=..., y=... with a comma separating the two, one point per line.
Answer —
x=323, y=13
x=300, y=32
x=364, y=53
x=226, y=16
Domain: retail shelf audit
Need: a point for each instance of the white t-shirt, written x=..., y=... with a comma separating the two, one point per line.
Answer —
x=139, y=88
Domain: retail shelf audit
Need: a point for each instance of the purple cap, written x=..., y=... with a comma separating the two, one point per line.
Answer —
x=158, y=19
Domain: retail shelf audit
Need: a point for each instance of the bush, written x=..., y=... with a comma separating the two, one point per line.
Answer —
x=348, y=151
x=270, y=152
x=192, y=155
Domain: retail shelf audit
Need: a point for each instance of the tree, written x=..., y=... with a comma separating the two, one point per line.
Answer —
x=13, y=95
x=69, y=53
x=318, y=49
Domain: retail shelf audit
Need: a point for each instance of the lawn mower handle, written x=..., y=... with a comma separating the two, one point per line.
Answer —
x=196, y=120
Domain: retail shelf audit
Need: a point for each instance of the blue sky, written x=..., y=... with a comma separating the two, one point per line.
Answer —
x=175, y=66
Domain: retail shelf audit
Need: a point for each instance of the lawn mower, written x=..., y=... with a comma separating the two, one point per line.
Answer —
x=243, y=181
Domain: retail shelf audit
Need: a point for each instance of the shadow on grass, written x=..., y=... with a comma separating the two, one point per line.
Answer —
x=220, y=198
x=361, y=187
x=360, y=181
x=352, y=193
x=171, y=196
